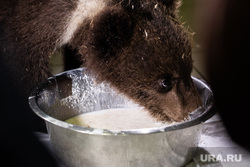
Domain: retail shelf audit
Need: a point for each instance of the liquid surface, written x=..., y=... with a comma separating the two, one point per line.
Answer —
x=117, y=119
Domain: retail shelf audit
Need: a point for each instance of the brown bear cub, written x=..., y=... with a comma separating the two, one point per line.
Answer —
x=138, y=46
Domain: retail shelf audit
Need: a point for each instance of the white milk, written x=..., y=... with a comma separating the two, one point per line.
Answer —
x=117, y=119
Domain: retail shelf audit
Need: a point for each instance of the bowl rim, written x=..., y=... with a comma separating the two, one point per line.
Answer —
x=203, y=116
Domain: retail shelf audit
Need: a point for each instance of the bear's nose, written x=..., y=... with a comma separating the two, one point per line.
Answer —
x=188, y=96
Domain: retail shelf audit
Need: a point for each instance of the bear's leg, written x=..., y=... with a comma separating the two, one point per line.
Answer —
x=72, y=59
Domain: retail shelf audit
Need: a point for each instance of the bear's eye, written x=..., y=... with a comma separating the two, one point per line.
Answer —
x=166, y=85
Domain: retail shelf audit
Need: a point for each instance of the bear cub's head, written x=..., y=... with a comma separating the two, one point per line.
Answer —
x=141, y=49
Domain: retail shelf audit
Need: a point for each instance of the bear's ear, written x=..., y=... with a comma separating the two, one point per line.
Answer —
x=111, y=30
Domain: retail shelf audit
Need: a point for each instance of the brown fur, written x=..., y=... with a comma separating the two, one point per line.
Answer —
x=136, y=45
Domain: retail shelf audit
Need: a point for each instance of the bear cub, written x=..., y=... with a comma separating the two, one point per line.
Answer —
x=138, y=46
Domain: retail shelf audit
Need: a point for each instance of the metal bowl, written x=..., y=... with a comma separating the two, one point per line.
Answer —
x=74, y=92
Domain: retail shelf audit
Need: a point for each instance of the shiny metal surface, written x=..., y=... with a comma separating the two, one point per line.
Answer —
x=76, y=146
